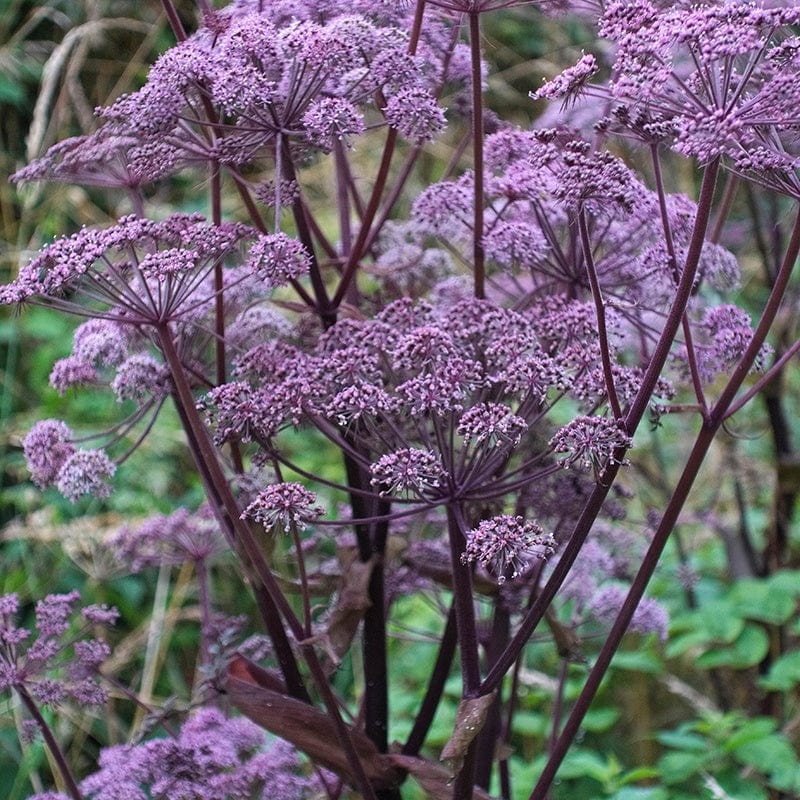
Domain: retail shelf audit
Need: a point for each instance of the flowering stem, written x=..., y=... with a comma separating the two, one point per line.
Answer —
x=174, y=20
x=204, y=596
x=301, y=567
x=600, y=312
x=351, y=265
x=467, y=639
x=465, y=610
x=258, y=222
x=682, y=295
x=691, y=353
x=228, y=513
x=52, y=745
x=325, y=309
x=708, y=432
x=219, y=297
x=764, y=379
x=371, y=539
x=487, y=740
x=632, y=420
x=478, y=254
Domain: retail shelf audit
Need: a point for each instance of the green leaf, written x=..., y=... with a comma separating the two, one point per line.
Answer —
x=751, y=731
x=638, y=774
x=677, y=767
x=769, y=754
x=586, y=764
x=644, y=660
x=761, y=600
x=681, y=643
x=784, y=673
x=749, y=649
x=787, y=582
x=530, y=723
x=641, y=793
x=683, y=740
x=600, y=719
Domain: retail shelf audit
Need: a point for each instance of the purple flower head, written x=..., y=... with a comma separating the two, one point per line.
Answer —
x=413, y=111
x=440, y=392
x=140, y=377
x=493, y=424
x=277, y=259
x=357, y=402
x=425, y=348
x=650, y=616
x=516, y=244
x=591, y=443
x=505, y=544
x=595, y=179
x=86, y=472
x=408, y=471
x=445, y=209
x=332, y=119
x=100, y=614
x=211, y=757
x=46, y=447
x=729, y=332
x=569, y=83
x=100, y=342
x=52, y=665
x=667, y=74
x=289, y=504
x=72, y=371
x=239, y=412
x=144, y=271
x=167, y=263
x=110, y=158
x=181, y=537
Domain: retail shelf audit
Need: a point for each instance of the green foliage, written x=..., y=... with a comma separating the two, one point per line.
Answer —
x=728, y=747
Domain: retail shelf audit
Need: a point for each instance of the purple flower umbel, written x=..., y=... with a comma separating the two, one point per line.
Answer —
x=52, y=667
x=504, y=545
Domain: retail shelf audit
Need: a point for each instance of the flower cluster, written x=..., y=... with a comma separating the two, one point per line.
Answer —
x=178, y=538
x=504, y=545
x=53, y=667
x=718, y=79
x=53, y=460
x=256, y=75
x=289, y=504
x=212, y=756
x=592, y=443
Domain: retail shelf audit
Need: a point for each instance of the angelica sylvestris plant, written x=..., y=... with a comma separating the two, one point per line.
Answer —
x=479, y=353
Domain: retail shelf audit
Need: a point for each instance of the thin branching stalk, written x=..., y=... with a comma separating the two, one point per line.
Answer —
x=600, y=313
x=56, y=752
x=476, y=78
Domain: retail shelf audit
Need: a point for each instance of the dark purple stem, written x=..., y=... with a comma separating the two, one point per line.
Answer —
x=174, y=20
x=228, y=511
x=600, y=313
x=708, y=431
x=52, y=745
x=691, y=354
x=204, y=598
x=478, y=254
